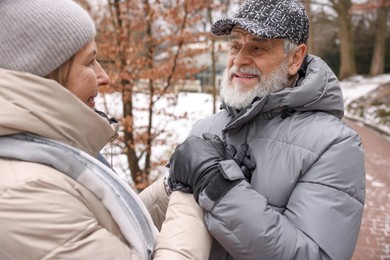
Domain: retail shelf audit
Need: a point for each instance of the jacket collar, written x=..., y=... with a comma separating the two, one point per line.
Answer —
x=33, y=104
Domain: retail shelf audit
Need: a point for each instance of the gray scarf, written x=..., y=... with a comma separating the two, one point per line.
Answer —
x=120, y=200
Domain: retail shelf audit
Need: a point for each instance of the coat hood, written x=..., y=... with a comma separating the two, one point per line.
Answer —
x=317, y=90
x=33, y=104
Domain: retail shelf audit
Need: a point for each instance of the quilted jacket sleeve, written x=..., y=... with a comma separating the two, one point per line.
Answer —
x=156, y=201
x=183, y=234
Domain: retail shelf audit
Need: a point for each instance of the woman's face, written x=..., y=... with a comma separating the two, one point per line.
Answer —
x=85, y=75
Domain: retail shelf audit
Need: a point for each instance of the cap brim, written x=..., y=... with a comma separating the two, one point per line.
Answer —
x=225, y=27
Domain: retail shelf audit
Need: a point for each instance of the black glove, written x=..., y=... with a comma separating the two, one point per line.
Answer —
x=218, y=185
x=196, y=158
x=195, y=163
x=245, y=162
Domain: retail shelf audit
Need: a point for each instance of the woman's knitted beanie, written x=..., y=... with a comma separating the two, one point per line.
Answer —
x=38, y=36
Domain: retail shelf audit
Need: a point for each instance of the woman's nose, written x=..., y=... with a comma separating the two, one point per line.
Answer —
x=103, y=78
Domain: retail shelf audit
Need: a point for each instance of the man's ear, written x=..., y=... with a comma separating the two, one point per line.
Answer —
x=296, y=59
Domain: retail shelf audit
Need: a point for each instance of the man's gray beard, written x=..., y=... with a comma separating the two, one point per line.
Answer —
x=272, y=82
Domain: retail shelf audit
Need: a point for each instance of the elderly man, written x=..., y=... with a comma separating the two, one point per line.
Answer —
x=278, y=173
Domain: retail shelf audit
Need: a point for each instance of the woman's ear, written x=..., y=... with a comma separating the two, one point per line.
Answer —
x=296, y=59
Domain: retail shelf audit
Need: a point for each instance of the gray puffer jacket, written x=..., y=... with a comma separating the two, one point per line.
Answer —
x=306, y=196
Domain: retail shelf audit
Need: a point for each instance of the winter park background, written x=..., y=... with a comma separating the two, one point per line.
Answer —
x=366, y=100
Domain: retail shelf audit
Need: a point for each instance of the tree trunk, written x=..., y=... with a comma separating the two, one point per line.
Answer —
x=129, y=141
x=213, y=63
x=378, y=57
x=347, y=49
x=310, y=41
x=150, y=65
x=127, y=92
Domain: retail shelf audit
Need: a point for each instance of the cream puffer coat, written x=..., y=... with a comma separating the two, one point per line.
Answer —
x=45, y=214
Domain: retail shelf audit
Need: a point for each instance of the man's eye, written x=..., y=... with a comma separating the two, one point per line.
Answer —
x=257, y=48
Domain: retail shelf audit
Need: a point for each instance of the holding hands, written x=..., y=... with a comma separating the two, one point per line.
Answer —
x=202, y=163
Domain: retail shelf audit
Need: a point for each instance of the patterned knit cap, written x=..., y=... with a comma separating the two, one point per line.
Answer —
x=269, y=19
x=38, y=36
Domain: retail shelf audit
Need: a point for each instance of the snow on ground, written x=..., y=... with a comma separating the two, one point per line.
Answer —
x=196, y=106
x=358, y=86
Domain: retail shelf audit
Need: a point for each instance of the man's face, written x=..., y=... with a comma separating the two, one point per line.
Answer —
x=255, y=67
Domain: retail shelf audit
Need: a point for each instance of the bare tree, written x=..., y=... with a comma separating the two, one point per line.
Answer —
x=144, y=45
x=307, y=4
x=347, y=50
x=380, y=8
x=212, y=58
x=378, y=57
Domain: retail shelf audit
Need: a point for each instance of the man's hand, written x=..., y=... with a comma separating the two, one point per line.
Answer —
x=195, y=159
x=196, y=163
x=241, y=157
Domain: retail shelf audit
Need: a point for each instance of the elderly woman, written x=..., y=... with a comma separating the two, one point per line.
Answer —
x=57, y=201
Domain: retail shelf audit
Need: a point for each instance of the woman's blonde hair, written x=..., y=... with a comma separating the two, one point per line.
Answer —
x=61, y=74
